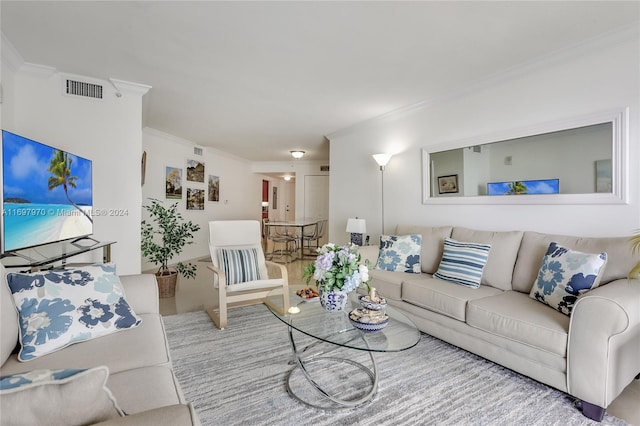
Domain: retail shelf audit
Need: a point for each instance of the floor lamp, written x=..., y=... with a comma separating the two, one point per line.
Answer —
x=382, y=160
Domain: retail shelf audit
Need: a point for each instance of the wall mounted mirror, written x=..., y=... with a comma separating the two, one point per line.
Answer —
x=578, y=161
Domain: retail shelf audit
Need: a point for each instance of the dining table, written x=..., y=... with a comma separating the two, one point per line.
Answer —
x=299, y=224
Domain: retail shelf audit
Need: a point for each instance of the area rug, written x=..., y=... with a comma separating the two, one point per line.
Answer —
x=237, y=377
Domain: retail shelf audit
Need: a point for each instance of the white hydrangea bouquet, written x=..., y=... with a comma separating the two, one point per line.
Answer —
x=337, y=268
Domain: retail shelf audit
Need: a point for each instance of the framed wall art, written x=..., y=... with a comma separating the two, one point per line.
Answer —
x=214, y=188
x=195, y=171
x=173, y=182
x=195, y=199
x=448, y=184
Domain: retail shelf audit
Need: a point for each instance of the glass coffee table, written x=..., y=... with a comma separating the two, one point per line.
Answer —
x=330, y=331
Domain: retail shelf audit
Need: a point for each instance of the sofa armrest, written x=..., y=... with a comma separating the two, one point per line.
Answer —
x=604, y=342
x=369, y=253
x=142, y=293
x=179, y=414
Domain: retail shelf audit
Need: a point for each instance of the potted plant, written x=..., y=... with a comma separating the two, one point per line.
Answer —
x=164, y=236
x=336, y=271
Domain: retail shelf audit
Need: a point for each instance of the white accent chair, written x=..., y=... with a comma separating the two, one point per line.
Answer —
x=229, y=237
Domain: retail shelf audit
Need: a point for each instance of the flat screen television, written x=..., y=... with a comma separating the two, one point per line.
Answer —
x=46, y=194
x=521, y=187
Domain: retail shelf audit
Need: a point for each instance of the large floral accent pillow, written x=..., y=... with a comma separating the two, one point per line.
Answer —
x=57, y=397
x=400, y=253
x=462, y=262
x=60, y=307
x=566, y=274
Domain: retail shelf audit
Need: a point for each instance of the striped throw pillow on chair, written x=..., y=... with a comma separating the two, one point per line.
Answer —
x=239, y=265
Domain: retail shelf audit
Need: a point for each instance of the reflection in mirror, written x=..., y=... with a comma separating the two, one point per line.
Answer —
x=577, y=160
x=570, y=156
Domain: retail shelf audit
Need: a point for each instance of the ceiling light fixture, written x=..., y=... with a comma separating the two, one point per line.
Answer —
x=297, y=154
x=287, y=178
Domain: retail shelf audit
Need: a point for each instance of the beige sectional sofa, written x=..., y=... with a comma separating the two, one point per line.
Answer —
x=141, y=377
x=593, y=354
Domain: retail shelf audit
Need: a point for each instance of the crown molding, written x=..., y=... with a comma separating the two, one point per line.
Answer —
x=130, y=87
x=187, y=143
x=10, y=55
x=620, y=35
x=37, y=70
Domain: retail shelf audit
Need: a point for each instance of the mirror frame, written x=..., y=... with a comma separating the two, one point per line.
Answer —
x=619, y=159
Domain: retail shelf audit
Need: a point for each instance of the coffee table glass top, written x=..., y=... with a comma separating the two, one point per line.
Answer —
x=336, y=328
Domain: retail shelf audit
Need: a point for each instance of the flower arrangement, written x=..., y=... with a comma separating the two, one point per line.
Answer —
x=337, y=268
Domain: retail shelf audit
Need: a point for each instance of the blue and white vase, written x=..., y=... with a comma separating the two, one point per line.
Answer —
x=334, y=300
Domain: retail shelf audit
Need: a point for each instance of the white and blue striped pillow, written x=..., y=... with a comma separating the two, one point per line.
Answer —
x=239, y=265
x=463, y=263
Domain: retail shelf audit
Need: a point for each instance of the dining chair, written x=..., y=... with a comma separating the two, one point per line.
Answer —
x=309, y=234
x=287, y=242
x=321, y=227
x=241, y=274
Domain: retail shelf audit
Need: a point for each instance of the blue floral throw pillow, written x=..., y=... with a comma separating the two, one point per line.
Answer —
x=400, y=253
x=566, y=274
x=60, y=307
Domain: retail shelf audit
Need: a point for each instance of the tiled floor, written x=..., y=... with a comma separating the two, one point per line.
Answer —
x=194, y=294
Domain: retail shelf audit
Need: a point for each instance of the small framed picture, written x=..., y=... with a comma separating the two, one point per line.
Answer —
x=195, y=171
x=195, y=199
x=173, y=182
x=448, y=184
x=214, y=188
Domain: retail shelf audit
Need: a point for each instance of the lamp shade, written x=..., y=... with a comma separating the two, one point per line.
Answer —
x=356, y=226
x=382, y=159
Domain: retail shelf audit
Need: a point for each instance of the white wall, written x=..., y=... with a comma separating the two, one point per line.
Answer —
x=595, y=77
x=106, y=131
x=240, y=188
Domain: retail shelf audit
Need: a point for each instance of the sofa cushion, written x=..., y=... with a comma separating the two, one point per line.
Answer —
x=179, y=414
x=52, y=397
x=463, y=263
x=432, y=241
x=502, y=258
x=58, y=308
x=388, y=283
x=443, y=297
x=145, y=388
x=515, y=316
x=566, y=274
x=239, y=265
x=400, y=253
x=620, y=259
x=9, y=327
x=133, y=348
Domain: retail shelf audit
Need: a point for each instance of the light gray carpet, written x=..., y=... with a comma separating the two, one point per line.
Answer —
x=237, y=376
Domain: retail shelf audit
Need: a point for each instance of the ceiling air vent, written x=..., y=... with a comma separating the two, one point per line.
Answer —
x=80, y=88
x=197, y=150
x=324, y=168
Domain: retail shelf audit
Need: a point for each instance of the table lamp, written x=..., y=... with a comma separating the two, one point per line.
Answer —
x=356, y=227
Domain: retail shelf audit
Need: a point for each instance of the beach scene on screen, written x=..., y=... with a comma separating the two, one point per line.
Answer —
x=521, y=187
x=47, y=193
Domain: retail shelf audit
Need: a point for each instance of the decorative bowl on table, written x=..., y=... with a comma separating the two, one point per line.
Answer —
x=368, y=320
x=367, y=303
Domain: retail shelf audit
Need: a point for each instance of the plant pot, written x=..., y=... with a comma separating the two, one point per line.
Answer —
x=334, y=300
x=167, y=284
